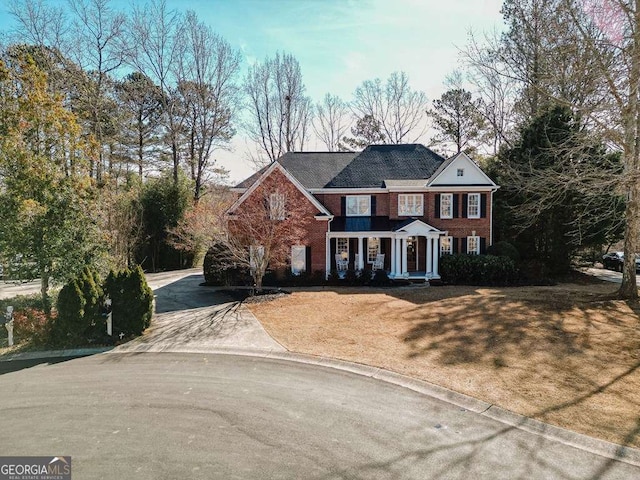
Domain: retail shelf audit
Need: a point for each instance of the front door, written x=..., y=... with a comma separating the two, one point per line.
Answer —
x=412, y=254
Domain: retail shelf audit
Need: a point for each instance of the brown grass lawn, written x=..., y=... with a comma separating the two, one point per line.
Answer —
x=566, y=354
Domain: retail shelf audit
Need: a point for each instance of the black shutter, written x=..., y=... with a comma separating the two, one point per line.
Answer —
x=464, y=245
x=437, y=208
x=343, y=206
x=373, y=205
x=483, y=205
x=455, y=246
x=307, y=260
x=456, y=205
x=483, y=245
x=465, y=203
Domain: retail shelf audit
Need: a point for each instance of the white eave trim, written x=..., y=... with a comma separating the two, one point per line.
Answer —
x=323, y=218
x=290, y=177
x=348, y=191
x=463, y=188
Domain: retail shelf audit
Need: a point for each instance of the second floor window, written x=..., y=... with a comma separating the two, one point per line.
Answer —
x=473, y=205
x=446, y=205
x=409, y=205
x=276, y=206
x=358, y=205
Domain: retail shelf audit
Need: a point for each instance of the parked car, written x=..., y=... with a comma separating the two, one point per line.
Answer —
x=614, y=261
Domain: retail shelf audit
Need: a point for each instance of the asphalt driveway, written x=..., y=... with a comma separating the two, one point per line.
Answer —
x=194, y=318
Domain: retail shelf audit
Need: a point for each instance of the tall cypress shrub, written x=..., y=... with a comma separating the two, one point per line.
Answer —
x=131, y=301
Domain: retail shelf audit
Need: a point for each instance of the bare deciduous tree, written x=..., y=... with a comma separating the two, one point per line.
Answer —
x=155, y=36
x=208, y=69
x=40, y=24
x=395, y=106
x=263, y=228
x=279, y=110
x=331, y=122
x=97, y=35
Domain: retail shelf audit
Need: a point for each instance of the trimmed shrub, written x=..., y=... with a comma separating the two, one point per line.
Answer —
x=478, y=270
x=131, y=301
x=69, y=327
x=504, y=249
x=380, y=279
x=218, y=268
x=89, y=283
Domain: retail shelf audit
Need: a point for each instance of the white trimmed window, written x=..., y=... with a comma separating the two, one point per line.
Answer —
x=276, y=206
x=358, y=205
x=342, y=248
x=446, y=205
x=446, y=245
x=298, y=259
x=473, y=205
x=460, y=172
x=410, y=204
x=373, y=249
x=473, y=245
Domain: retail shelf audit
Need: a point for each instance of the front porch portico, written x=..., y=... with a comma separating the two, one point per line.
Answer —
x=412, y=250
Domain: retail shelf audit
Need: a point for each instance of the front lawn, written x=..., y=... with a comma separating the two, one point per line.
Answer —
x=566, y=354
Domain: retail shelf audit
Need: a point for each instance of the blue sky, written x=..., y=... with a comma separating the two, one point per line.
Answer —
x=340, y=43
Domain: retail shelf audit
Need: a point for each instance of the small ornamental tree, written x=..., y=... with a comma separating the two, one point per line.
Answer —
x=131, y=301
x=262, y=229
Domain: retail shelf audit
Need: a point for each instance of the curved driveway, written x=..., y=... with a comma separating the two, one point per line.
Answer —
x=169, y=416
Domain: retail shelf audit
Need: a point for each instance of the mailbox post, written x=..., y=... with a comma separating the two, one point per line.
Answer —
x=9, y=324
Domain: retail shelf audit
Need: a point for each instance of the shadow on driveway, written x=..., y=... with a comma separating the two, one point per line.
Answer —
x=187, y=294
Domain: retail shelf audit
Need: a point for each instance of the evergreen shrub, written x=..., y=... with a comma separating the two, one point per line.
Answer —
x=478, y=270
x=131, y=301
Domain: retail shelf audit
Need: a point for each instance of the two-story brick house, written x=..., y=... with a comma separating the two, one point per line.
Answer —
x=402, y=201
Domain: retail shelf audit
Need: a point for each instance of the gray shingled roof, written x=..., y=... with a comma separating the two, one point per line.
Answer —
x=378, y=163
x=369, y=168
x=316, y=169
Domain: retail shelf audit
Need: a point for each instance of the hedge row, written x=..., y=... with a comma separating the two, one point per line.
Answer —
x=82, y=308
x=491, y=270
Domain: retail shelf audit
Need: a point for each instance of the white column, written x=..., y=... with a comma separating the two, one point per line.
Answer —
x=361, y=254
x=403, y=252
x=393, y=257
x=429, y=255
x=436, y=256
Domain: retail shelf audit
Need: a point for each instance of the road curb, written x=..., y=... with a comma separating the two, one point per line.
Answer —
x=580, y=441
x=71, y=352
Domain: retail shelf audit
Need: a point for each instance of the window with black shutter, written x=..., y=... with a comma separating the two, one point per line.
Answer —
x=456, y=205
x=483, y=205
x=465, y=203
x=437, y=206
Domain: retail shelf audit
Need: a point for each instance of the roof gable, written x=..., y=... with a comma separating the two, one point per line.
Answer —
x=417, y=227
x=265, y=173
x=472, y=174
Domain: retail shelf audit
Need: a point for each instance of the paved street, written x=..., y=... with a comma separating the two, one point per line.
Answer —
x=168, y=416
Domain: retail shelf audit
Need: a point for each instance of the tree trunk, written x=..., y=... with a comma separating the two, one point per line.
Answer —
x=631, y=120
